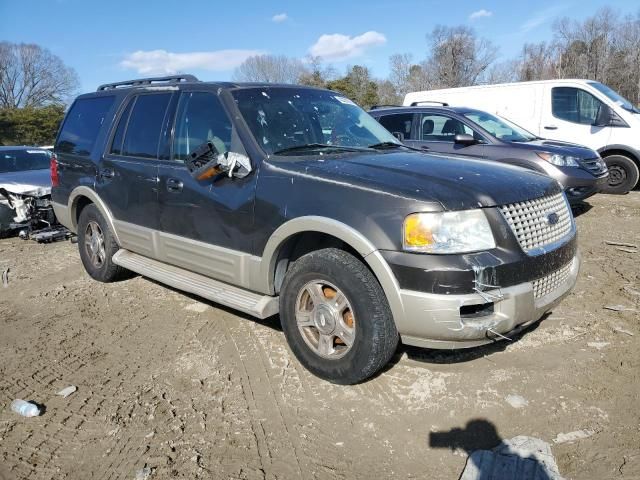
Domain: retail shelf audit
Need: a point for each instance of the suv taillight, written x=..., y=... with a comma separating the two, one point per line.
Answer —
x=55, y=180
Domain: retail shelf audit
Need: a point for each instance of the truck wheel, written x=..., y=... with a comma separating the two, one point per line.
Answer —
x=623, y=174
x=97, y=245
x=336, y=318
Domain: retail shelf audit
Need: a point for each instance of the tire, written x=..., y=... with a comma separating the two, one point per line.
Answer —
x=92, y=224
x=623, y=174
x=349, y=299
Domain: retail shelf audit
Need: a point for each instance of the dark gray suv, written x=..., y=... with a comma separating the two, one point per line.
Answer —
x=293, y=200
x=474, y=133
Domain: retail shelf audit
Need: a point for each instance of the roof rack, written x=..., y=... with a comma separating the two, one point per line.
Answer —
x=417, y=104
x=374, y=107
x=148, y=81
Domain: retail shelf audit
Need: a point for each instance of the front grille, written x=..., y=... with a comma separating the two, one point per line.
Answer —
x=545, y=285
x=532, y=221
x=595, y=165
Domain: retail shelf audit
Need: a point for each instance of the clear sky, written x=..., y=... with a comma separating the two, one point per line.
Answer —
x=118, y=39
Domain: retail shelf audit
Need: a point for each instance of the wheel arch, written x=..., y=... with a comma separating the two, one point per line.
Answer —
x=82, y=196
x=282, y=243
x=620, y=150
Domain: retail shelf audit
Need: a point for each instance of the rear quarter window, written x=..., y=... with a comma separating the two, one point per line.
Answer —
x=82, y=125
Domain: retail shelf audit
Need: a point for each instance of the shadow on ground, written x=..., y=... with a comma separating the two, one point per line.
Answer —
x=490, y=456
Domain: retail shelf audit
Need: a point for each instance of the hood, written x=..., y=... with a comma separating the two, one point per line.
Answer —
x=455, y=183
x=35, y=183
x=558, y=147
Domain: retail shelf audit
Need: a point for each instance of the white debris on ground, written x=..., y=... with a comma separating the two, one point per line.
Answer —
x=519, y=458
x=143, y=473
x=573, y=436
x=597, y=345
x=197, y=307
x=65, y=392
x=516, y=401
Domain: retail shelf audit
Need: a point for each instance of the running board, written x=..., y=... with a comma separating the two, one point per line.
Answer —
x=261, y=306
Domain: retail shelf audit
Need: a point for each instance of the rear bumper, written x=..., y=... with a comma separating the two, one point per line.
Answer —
x=437, y=321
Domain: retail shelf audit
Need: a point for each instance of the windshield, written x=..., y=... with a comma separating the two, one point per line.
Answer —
x=22, y=160
x=615, y=96
x=500, y=128
x=284, y=118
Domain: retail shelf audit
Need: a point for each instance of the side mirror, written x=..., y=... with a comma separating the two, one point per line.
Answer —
x=205, y=163
x=604, y=116
x=398, y=135
x=464, y=139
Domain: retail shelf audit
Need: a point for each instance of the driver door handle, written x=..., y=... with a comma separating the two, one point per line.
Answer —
x=174, y=185
x=550, y=127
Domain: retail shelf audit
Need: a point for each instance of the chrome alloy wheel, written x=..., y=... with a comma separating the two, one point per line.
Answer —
x=94, y=244
x=325, y=319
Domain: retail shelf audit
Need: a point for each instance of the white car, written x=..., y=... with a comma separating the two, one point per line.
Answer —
x=578, y=111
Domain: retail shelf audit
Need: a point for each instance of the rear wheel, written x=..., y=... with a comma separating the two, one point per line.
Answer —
x=623, y=174
x=97, y=245
x=336, y=318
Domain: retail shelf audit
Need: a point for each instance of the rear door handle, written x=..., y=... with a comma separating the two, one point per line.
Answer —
x=424, y=147
x=107, y=173
x=174, y=185
x=550, y=127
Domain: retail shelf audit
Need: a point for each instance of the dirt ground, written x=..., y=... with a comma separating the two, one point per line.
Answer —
x=192, y=390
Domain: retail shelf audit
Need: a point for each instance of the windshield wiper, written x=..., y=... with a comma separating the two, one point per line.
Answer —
x=385, y=145
x=317, y=146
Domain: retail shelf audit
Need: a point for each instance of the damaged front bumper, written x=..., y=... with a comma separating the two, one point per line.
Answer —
x=457, y=315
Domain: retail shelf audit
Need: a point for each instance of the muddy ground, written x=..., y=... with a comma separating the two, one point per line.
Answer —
x=192, y=390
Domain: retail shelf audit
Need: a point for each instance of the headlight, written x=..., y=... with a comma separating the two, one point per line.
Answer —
x=559, y=160
x=447, y=232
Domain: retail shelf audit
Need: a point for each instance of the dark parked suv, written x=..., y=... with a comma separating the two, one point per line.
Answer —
x=293, y=200
x=469, y=132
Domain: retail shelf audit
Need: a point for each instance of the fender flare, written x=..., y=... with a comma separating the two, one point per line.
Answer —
x=84, y=191
x=347, y=234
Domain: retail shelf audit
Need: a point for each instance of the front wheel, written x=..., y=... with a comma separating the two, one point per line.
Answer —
x=336, y=318
x=623, y=174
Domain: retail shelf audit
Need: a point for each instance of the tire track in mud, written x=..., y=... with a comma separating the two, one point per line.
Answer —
x=268, y=423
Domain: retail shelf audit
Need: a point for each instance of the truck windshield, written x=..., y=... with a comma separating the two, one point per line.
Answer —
x=289, y=120
x=615, y=96
x=499, y=127
x=23, y=160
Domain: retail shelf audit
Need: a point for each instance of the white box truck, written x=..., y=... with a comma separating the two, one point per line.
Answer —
x=578, y=111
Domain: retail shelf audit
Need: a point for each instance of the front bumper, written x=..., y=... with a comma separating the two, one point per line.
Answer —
x=438, y=321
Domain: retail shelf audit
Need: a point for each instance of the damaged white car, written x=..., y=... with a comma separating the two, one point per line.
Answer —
x=25, y=194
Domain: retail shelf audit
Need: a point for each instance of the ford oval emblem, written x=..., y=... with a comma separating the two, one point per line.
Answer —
x=553, y=218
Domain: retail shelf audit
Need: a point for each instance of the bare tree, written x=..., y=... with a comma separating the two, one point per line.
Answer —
x=502, y=72
x=407, y=76
x=32, y=76
x=271, y=69
x=316, y=74
x=458, y=57
x=586, y=47
x=538, y=61
x=387, y=93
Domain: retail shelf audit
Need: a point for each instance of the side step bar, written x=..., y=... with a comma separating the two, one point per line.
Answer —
x=261, y=306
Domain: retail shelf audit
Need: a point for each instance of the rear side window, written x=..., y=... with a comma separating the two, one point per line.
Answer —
x=82, y=125
x=145, y=123
x=398, y=123
x=574, y=105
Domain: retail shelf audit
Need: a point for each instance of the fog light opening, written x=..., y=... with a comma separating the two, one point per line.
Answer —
x=476, y=310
